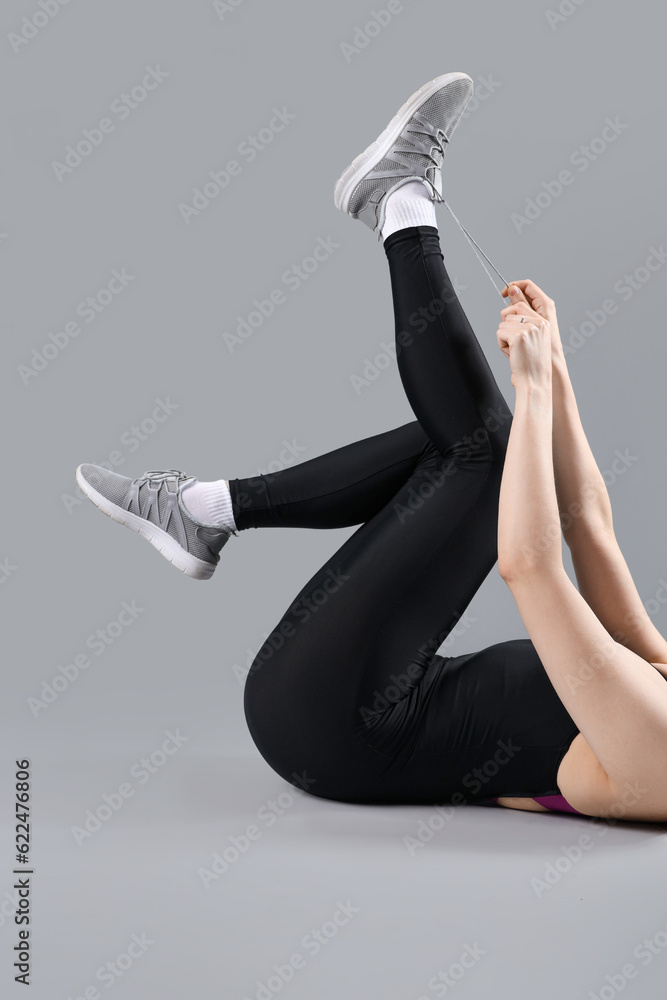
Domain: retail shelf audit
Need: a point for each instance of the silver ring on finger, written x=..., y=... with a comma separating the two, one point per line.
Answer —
x=521, y=320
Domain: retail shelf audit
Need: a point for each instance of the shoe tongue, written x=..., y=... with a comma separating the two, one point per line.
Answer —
x=160, y=475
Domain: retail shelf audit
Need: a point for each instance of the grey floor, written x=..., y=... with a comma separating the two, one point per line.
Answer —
x=225, y=872
x=497, y=903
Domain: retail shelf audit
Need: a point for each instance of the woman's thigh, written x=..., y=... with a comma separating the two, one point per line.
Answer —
x=377, y=610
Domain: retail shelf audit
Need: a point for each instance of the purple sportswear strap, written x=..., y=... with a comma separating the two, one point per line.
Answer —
x=554, y=802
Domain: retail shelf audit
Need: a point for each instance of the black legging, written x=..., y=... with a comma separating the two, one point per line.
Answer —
x=348, y=698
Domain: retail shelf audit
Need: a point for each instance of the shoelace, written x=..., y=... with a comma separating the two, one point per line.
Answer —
x=161, y=476
x=436, y=140
x=166, y=475
x=425, y=140
x=476, y=247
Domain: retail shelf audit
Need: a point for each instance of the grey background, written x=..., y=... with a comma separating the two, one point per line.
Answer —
x=178, y=665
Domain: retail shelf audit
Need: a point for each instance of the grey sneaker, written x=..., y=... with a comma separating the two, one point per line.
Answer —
x=412, y=147
x=151, y=505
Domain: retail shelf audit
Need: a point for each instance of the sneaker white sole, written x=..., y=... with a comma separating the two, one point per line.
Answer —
x=193, y=567
x=377, y=150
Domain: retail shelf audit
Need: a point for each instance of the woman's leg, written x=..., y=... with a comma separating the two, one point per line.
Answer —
x=348, y=485
x=373, y=617
x=444, y=370
x=343, y=487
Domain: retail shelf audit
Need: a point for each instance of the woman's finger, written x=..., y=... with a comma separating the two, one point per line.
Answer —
x=513, y=293
x=512, y=328
x=519, y=307
x=501, y=337
x=533, y=294
x=525, y=315
x=530, y=289
x=524, y=319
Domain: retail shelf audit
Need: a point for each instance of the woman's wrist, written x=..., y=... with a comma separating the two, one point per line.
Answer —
x=560, y=380
x=535, y=389
x=558, y=361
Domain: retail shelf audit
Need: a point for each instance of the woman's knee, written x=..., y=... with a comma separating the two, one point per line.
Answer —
x=490, y=439
x=481, y=446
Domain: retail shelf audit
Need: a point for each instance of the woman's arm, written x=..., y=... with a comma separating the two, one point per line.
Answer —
x=585, y=513
x=614, y=697
x=603, y=576
x=583, y=499
x=529, y=533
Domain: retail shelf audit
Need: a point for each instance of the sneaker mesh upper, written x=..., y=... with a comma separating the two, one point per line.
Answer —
x=115, y=488
x=443, y=110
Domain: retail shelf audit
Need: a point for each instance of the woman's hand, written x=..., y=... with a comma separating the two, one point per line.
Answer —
x=524, y=336
x=527, y=294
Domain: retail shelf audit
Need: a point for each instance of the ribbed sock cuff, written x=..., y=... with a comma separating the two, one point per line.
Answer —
x=409, y=205
x=218, y=501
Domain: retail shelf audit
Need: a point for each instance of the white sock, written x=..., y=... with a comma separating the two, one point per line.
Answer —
x=409, y=205
x=210, y=503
